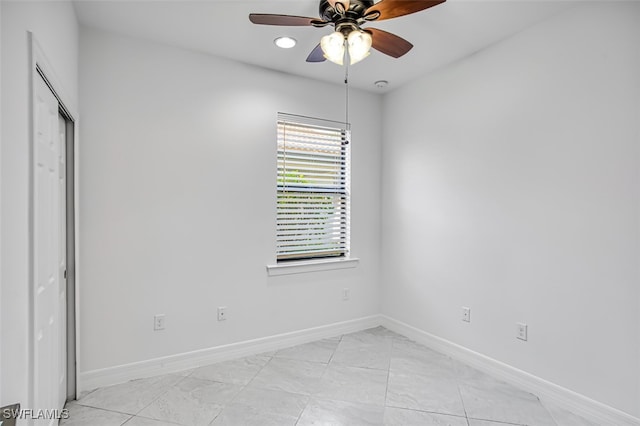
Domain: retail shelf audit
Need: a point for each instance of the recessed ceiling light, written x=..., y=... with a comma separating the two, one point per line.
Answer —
x=285, y=42
x=381, y=83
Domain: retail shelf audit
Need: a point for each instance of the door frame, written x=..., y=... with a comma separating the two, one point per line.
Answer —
x=41, y=67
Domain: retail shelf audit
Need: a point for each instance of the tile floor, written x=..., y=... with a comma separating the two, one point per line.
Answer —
x=372, y=377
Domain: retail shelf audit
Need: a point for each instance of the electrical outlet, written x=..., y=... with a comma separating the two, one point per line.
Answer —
x=158, y=322
x=521, y=331
x=346, y=294
x=466, y=314
x=222, y=313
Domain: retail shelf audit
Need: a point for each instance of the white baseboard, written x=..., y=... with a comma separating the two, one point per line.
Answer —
x=581, y=405
x=89, y=380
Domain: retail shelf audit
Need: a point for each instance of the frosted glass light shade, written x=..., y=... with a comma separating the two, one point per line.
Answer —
x=332, y=46
x=359, y=43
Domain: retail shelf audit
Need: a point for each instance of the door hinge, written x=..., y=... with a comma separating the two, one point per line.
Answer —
x=64, y=274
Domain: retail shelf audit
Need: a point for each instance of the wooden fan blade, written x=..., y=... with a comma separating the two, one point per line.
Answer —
x=284, y=20
x=387, y=9
x=316, y=55
x=345, y=3
x=387, y=43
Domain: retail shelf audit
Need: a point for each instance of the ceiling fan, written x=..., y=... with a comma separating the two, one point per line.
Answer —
x=347, y=17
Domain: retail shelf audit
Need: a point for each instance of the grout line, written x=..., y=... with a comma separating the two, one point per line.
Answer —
x=466, y=415
x=386, y=389
x=334, y=351
x=127, y=421
x=497, y=422
x=439, y=413
x=156, y=420
x=105, y=409
x=102, y=409
x=304, y=409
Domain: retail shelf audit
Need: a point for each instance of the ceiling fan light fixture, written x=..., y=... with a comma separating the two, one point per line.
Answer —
x=346, y=16
x=285, y=42
x=359, y=43
x=332, y=46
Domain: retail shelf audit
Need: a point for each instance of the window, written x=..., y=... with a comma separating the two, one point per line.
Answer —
x=313, y=188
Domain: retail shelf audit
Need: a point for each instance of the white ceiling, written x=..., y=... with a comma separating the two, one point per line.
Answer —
x=441, y=35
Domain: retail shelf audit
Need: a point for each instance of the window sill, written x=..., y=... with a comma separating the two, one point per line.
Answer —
x=304, y=266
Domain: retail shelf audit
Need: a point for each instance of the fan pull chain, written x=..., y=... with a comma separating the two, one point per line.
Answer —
x=346, y=84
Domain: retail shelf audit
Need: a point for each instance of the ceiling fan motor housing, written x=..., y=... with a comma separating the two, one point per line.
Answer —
x=354, y=13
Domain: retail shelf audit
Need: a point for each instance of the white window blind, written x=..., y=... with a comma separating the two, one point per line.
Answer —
x=313, y=188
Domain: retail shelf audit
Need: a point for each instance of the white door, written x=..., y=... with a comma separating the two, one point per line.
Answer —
x=47, y=239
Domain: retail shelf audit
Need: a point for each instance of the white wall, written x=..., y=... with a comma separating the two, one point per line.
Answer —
x=511, y=185
x=177, y=202
x=1, y=399
x=54, y=25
